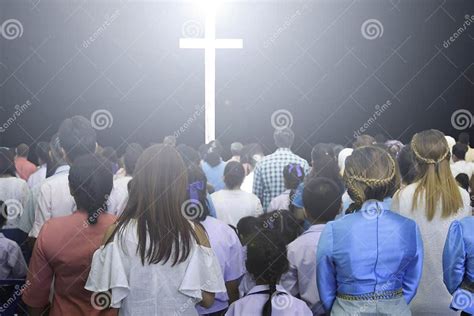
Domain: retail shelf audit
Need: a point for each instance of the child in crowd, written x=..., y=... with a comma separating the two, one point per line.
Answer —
x=293, y=175
x=266, y=262
x=322, y=203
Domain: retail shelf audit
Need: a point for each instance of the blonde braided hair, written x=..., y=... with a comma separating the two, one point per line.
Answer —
x=425, y=160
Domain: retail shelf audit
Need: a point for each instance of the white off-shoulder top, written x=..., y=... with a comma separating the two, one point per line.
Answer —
x=152, y=289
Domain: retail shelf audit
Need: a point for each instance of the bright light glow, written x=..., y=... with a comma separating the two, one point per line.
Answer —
x=209, y=43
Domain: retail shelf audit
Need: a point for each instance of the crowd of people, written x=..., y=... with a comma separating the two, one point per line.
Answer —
x=378, y=228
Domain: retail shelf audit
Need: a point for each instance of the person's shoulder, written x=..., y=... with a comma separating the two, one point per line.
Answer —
x=401, y=219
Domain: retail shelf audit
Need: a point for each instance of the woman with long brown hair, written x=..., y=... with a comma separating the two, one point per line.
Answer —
x=434, y=201
x=156, y=262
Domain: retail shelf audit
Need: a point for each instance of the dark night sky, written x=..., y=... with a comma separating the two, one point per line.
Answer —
x=308, y=58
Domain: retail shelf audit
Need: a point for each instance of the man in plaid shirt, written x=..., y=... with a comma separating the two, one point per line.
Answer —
x=268, y=177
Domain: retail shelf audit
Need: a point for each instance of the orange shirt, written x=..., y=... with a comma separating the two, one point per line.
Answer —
x=64, y=250
x=24, y=167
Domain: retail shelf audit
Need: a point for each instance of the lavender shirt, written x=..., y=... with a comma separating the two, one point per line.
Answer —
x=12, y=263
x=301, y=276
x=282, y=305
x=228, y=249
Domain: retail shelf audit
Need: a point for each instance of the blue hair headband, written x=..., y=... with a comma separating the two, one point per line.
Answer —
x=299, y=170
x=194, y=188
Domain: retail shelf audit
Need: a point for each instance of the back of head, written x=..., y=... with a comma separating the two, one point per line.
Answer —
x=22, y=150
x=363, y=140
x=284, y=137
x=157, y=195
x=463, y=180
x=130, y=158
x=90, y=182
x=322, y=199
x=190, y=155
x=436, y=181
x=214, y=153
x=251, y=154
x=236, y=148
x=293, y=174
x=7, y=166
x=267, y=261
x=169, y=140
x=325, y=163
x=247, y=227
x=77, y=137
x=110, y=154
x=394, y=147
x=464, y=138
x=42, y=152
x=380, y=138
x=234, y=175
x=406, y=163
x=370, y=173
x=196, y=207
x=459, y=151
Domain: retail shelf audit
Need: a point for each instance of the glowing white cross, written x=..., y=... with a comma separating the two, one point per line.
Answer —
x=209, y=43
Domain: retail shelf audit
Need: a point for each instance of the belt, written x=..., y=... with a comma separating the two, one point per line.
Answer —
x=372, y=296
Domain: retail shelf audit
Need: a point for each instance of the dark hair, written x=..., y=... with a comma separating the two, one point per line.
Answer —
x=324, y=164
x=380, y=138
x=234, y=174
x=213, y=153
x=284, y=137
x=77, y=137
x=407, y=165
x=22, y=150
x=460, y=150
x=7, y=166
x=363, y=140
x=246, y=227
x=110, y=154
x=57, y=158
x=197, y=207
x=3, y=213
x=249, y=153
x=267, y=262
x=42, y=153
x=293, y=175
x=130, y=158
x=190, y=155
x=90, y=181
x=157, y=195
x=283, y=222
x=463, y=181
x=322, y=199
x=464, y=138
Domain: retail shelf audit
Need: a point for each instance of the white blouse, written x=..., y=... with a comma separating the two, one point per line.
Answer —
x=153, y=289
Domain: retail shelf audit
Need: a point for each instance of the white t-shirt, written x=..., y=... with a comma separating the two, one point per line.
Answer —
x=232, y=205
x=432, y=296
x=119, y=196
x=15, y=193
x=38, y=176
x=280, y=202
x=247, y=184
x=462, y=166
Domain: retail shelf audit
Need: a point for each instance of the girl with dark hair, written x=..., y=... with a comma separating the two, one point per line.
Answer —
x=267, y=262
x=155, y=260
x=223, y=239
x=232, y=203
x=65, y=245
x=213, y=165
x=293, y=175
x=406, y=163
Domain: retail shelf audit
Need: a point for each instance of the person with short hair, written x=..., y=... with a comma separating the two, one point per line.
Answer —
x=45, y=165
x=213, y=165
x=268, y=178
x=235, y=149
x=232, y=203
x=76, y=137
x=322, y=202
x=371, y=260
x=65, y=245
x=24, y=167
x=267, y=262
x=460, y=165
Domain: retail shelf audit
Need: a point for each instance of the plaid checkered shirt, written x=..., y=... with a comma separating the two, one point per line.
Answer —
x=268, y=177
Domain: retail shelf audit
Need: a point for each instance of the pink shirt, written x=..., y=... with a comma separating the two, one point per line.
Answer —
x=64, y=250
x=24, y=168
